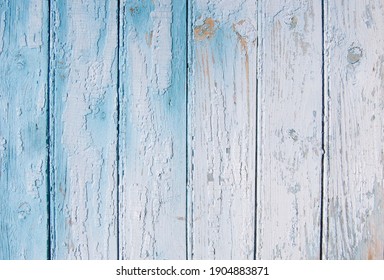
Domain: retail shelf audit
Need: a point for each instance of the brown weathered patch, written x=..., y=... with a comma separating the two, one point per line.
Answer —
x=241, y=31
x=374, y=250
x=206, y=30
x=237, y=28
x=370, y=254
x=133, y=10
x=375, y=245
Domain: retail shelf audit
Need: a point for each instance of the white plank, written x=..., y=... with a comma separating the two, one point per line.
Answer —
x=23, y=126
x=152, y=130
x=354, y=173
x=222, y=129
x=289, y=130
x=84, y=134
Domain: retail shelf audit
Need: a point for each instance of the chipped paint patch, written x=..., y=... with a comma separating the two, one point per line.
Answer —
x=161, y=46
x=2, y=31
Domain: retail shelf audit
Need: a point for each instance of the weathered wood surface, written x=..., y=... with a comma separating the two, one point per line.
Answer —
x=84, y=129
x=222, y=129
x=23, y=123
x=289, y=141
x=152, y=132
x=354, y=202
x=200, y=129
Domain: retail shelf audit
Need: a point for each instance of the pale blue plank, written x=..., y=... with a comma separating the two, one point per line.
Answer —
x=153, y=129
x=23, y=118
x=84, y=129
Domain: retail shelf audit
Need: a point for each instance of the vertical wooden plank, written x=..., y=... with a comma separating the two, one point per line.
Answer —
x=84, y=134
x=354, y=172
x=152, y=130
x=222, y=129
x=289, y=130
x=23, y=119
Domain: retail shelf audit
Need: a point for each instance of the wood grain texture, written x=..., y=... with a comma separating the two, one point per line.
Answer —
x=153, y=130
x=84, y=129
x=354, y=171
x=199, y=129
x=289, y=130
x=222, y=129
x=23, y=119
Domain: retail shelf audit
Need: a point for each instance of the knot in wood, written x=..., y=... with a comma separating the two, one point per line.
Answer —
x=354, y=55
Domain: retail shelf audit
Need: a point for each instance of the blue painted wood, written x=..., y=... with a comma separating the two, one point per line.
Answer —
x=23, y=119
x=153, y=129
x=101, y=164
x=84, y=129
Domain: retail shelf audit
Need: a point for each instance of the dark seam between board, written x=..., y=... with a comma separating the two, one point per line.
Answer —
x=48, y=139
x=118, y=136
x=186, y=128
x=322, y=130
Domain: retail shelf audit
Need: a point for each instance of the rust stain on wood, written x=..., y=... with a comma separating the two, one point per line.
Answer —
x=205, y=30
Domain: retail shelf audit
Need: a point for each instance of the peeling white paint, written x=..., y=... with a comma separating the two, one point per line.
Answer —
x=221, y=132
x=161, y=46
x=85, y=145
x=35, y=24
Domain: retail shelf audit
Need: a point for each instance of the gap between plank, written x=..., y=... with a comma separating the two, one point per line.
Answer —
x=322, y=128
x=186, y=129
x=256, y=127
x=118, y=136
x=48, y=139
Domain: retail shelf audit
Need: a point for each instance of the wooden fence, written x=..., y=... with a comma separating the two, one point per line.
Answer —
x=199, y=129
